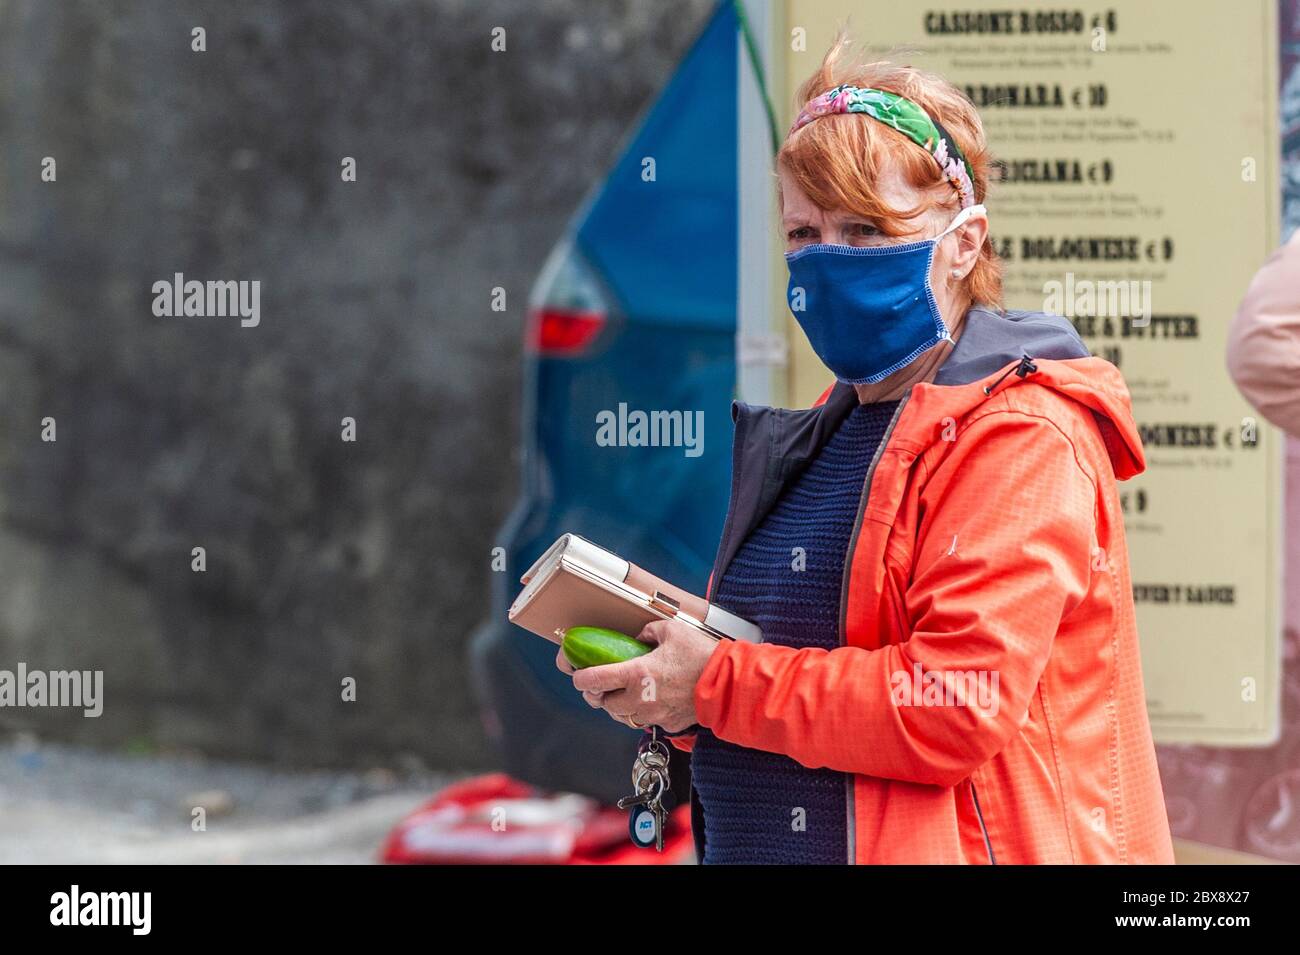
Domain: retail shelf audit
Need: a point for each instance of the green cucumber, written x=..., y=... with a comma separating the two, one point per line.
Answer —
x=596, y=646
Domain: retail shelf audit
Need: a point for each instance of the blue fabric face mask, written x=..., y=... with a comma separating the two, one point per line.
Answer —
x=868, y=311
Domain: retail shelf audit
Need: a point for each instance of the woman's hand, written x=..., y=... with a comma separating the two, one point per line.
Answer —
x=656, y=688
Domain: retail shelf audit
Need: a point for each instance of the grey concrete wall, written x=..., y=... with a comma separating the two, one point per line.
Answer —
x=325, y=559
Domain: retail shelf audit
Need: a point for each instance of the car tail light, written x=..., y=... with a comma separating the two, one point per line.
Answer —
x=568, y=310
x=556, y=332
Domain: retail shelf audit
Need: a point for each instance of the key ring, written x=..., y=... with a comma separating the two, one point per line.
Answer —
x=660, y=784
x=653, y=747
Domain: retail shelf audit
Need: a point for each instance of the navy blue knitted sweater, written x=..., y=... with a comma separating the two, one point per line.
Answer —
x=763, y=807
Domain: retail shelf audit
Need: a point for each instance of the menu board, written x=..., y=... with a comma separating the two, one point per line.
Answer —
x=1137, y=147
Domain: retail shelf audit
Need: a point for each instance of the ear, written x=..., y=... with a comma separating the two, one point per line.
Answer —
x=970, y=239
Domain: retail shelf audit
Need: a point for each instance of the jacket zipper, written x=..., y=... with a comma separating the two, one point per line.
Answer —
x=1021, y=369
x=850, y=814
x=983, y=828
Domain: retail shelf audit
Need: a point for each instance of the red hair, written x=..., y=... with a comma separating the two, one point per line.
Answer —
x=837, y=159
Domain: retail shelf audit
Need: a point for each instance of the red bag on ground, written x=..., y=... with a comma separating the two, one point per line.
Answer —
x=495, y=819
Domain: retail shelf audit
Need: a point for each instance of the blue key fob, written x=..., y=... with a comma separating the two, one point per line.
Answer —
x=642, y=826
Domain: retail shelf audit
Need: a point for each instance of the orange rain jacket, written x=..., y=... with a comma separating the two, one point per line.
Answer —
x=989, y=540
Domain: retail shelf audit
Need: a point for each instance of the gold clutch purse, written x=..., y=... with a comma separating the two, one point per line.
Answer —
x=576, y=583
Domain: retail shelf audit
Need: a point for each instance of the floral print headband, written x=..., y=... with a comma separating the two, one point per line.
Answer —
x=900, y=113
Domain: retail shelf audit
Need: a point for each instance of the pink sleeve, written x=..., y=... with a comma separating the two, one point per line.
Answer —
x=1264, y=340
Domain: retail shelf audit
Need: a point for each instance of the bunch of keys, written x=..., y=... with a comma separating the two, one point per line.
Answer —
x=650, y=780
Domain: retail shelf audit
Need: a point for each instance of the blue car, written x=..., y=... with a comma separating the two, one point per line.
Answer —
x=636, y=307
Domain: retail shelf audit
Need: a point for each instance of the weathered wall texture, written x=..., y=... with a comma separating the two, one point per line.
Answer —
x=325, y=559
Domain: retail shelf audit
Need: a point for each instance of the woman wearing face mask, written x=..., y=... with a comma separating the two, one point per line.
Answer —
x=935, y=551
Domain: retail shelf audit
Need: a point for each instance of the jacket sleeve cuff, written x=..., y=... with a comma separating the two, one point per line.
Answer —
x=713, y=688
x=689, y=731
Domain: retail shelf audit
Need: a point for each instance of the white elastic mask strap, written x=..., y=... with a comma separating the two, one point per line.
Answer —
x=961, y=219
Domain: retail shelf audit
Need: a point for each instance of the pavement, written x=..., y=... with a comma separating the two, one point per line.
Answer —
x=65, y=804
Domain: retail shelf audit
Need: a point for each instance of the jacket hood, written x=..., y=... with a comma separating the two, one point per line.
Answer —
x=991, y=341
x=1063, y=363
